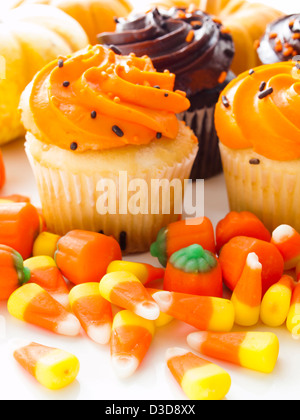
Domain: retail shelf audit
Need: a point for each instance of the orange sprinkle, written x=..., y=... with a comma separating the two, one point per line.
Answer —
x=225, y=30
x=291, y=24
x=273, y=35
x=222, y=77
x=288, y=51
x=256, y=44
x=117, y=100
x=296, y=36
x=217, y=20
x=190, y=36
x=181, y=14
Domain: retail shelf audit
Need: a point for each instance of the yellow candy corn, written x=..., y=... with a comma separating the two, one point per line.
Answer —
x=31, y=303
x=252, y=350
x=45, y=244
x=131, y=339
x=293, y=319
x=276, y=303
x=93, y=311
x=53, y=368
x=125, y=290
x=198, y=378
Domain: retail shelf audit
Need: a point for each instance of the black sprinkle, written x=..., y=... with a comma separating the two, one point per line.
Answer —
x=196, y=27
x=262, y=86
x=166, y=95
x=60, y=63
x=225, y=101
x=254, y=161
x=115, y=49
x=117, y=130
x=251, y=72
x=101, y=231
x=159, y=136
x=116, y=20
x=156, y=87
x=93, y=114
x=266, y=93
x=123, y=240
x=73, y=146
x=229, y=53
x=66, y=84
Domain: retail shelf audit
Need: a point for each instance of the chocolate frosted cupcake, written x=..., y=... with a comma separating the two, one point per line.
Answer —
x=199, y=51
x=281, y=41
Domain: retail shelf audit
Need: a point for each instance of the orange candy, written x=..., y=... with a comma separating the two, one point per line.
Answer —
x=233, y=258
x=287, y=240
x=84, y=256
x=240, y=224
x=19, y=226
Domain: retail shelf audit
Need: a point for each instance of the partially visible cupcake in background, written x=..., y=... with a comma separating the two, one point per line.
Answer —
x=281, y=41
x=258, y=123
x=199, y=51
x=92, y=117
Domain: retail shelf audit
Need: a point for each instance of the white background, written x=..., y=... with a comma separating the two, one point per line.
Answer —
x=97, y=380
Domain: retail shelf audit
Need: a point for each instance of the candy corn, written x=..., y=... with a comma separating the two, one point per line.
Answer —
x=198, y=378
x=12, y=271
x=234, y=254
x=182, y=234
x=276, y=303
x=287, y=240
x=240, y=224
x=44, y=272
x=144, y=272
x=83, y=257
x=93, y=312
x=247, y=295
x=45, y=244
x=195, y=271
x=202, y=312
x=19, y=226
x=252, y=350
x=131, y=339
x=163, y=319
x=124, y=289
x=31, y=303
x=293, y=319
x=53, y=368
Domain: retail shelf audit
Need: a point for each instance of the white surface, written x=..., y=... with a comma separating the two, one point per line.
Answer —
x=97, y=380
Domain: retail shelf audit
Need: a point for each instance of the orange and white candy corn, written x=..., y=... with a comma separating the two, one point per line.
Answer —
x=93, y=311
x=198, y=378
x=252, y=350
x=247, y=295
x=125, y=290
x=31, y=303
x=53, y=368
x=287, y=240
x=293, y=319
x=276, y=302
x=202, y=312
x=146, y=273
x=131, y=339
x=45, y=273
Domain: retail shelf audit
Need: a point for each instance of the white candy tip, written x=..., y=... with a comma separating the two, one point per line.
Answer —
x=253, y=261
x=148, y=310
x=100, y=333
x=163, y=299
x=124, y=365
x=282, y=233
x=196, y=339
x=175, y=352
x=70, y=326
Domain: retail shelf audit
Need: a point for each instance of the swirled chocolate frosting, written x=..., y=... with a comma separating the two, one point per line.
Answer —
x=281, y=41
x=190, y=44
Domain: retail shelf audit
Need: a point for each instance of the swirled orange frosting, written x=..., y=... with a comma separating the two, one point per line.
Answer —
x=261, y=110
x=97, y=100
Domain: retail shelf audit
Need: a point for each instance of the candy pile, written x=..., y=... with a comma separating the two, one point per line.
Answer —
x=73, y=283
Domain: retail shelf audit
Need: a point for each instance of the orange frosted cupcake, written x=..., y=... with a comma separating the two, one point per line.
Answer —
x=258, y=123
x=100, y=127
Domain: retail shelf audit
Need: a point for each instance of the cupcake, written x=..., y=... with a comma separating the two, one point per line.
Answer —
x=258, y=123
x=99, y=132
x=199, y=51
x=281, y=41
